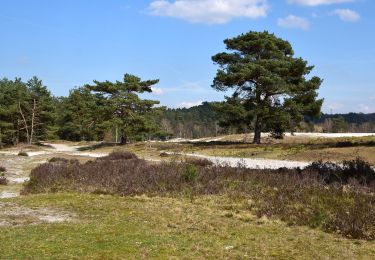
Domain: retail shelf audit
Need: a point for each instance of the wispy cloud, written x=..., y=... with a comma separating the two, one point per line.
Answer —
x=366, y=108
x=333, y=107
x=293, y=21
x=319, y=2
x=347, y=15
x=189, y=104
x=157, y=91
x=209, y=11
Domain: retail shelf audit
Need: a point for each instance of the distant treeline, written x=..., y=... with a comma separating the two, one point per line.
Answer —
x=350, y=118
x=203, y=121
x=113, y=112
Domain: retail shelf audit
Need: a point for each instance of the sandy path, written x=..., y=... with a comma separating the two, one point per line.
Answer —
x=249, y=163
x=17, y=172
x=73, y=150
x=18, y=167
x=312, y=135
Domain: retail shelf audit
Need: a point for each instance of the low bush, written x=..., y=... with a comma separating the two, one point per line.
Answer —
x=164, y=154
x=119, y=156
x=199, y=161
x=355, y=170
x=3, y=169
x=3, y=180
x=190, y=173
x=22, y=153
x=58, y=159
x=320, y=196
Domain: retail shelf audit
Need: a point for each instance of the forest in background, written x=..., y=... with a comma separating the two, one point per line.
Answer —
x=30, y=113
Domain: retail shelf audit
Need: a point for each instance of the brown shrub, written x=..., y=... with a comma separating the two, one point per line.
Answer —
x=3, y=180
x=199, y=161
x=22, y=153
x=299, y=197
x=119, y=156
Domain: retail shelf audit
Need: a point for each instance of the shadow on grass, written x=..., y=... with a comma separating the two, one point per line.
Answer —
x=215, y=143
x=97, y=146
x=43, y=145
x=341, y=144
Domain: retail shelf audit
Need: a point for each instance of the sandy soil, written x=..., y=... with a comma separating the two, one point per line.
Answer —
x=249, y=163
x=11, y=214
x=19, y=167
x=311, y=135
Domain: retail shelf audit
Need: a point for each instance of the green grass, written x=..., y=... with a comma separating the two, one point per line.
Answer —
x=110, y=227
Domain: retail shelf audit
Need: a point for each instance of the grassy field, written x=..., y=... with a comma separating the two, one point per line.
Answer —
x=291, y=148
x=111, y=227
x=177, y=227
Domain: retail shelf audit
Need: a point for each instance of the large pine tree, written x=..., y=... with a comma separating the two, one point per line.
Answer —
x=126, y=110
x=269, y=80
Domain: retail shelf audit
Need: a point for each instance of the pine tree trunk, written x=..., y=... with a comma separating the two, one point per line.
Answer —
x=32, y=123
x=257, y=131
x=25, y=123
x=124, y=140
x=1, y=139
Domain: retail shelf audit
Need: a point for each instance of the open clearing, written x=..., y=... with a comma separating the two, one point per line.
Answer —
x=293, y=151
x=102, y=226
x=114, y=227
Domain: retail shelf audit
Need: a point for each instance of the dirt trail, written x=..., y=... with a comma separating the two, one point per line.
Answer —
x=249, y=163
x=73, y=150
x=19, y=167
x=17, y=172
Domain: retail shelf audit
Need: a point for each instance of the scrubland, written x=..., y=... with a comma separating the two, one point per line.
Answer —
x=123, y=206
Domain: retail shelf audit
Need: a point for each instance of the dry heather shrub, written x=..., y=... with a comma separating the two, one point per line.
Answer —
x=22, y=153
x=119, y=156
x=58, y=159
x=299, y=197
x=201, y=162
x=3, y=180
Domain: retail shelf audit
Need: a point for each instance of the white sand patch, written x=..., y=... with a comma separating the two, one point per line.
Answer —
x=73, y=150
x=86, y=154
x=250, y=135
x=332, y=135
x=13, y=214
x=63, y=147
x=18, y=179
x=8, y=195
x=249, y=163
x=54, y=218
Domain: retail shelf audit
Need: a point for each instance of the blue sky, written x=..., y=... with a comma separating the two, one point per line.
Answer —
x=72, y=42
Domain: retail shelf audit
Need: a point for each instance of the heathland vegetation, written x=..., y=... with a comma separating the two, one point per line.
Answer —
x=143, y=199
x=270, y=93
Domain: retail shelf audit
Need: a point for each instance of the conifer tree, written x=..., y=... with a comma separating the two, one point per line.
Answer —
x=125, y=110
x=262, y=71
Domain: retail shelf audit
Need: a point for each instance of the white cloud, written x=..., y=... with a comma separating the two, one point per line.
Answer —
x=157, y=91
x=347, y=15
x=318, y=2
x=188, y=104
x=332, y=107
x=209, y=11
x=366, y=108
x=293, y=21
